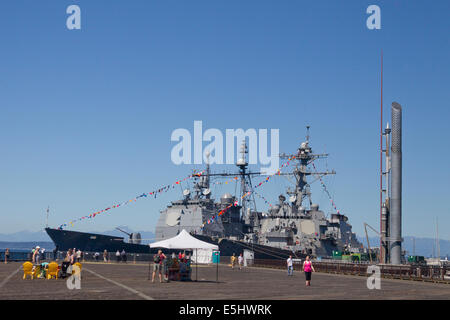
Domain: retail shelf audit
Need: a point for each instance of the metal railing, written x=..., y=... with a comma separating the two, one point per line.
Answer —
x=87, y=256
x=406, y=272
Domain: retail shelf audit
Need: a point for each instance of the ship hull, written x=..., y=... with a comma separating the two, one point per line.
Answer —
x=92, y=242
x=229, y=247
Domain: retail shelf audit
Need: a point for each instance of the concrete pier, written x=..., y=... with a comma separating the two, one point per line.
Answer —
x=129, y=282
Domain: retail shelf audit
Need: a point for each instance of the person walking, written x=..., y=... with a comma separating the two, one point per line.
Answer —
x=105, y=256
x=233, y=261
x=290, y=266
x=124, y=256
x=240, y=261
x=6, y=255
x=308, y=268
x=118, y=255
x=158, y=264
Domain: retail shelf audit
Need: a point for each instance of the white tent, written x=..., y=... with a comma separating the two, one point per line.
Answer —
x=183, y=241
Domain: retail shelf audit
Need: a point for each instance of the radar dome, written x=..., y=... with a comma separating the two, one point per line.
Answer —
x=136, y=238
x=227, y=198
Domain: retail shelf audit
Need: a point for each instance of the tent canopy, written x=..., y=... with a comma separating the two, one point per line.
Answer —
x=183, y=241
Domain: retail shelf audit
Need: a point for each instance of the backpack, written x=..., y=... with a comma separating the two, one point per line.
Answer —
x=156, y=258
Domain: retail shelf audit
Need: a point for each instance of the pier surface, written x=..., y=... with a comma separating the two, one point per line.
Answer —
x=130, y=281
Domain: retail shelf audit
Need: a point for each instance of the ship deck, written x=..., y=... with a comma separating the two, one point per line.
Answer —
x=129, y=282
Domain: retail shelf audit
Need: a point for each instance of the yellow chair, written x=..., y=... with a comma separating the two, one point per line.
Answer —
x=28, y=270
x=52, y=270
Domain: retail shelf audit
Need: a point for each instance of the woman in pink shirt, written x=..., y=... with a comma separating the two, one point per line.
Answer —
x=307, y=268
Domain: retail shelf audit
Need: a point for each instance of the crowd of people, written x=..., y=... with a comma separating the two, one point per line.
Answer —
x=162, y=264
x=73, y=256
x=307, y=266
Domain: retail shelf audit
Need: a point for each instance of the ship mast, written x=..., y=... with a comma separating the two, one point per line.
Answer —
x=247, y=203
x=304, y=157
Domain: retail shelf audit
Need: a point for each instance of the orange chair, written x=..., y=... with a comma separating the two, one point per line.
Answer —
x=28, y=270
x=52, y=270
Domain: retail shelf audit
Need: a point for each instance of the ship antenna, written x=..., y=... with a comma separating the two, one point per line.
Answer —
x=207, y=169
x=46, y=221
x=382, y=250
x=242, y=164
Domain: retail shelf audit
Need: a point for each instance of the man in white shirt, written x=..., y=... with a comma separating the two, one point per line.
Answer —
x=290, y=266
x=240, y=261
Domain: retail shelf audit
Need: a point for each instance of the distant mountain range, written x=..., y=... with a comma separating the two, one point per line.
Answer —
x=27, y=239
x=26, y=245
x=416, y=246
x=25, y=236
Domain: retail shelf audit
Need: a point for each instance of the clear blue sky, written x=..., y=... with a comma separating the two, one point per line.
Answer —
x=86, y=116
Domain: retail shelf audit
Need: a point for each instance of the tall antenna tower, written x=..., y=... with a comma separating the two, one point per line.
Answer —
x=46, y=220
x=383, y=213
x=247, y=203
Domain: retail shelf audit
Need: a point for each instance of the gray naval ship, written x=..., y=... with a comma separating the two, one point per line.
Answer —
x=296, y=227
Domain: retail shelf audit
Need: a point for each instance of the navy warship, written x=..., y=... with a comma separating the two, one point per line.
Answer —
x=295, y=227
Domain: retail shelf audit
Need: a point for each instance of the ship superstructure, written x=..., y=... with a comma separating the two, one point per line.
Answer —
x=295, y=226
x=192, y=211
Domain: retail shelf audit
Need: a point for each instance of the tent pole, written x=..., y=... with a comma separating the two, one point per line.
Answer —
x=196, y=265
x=149, y=260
